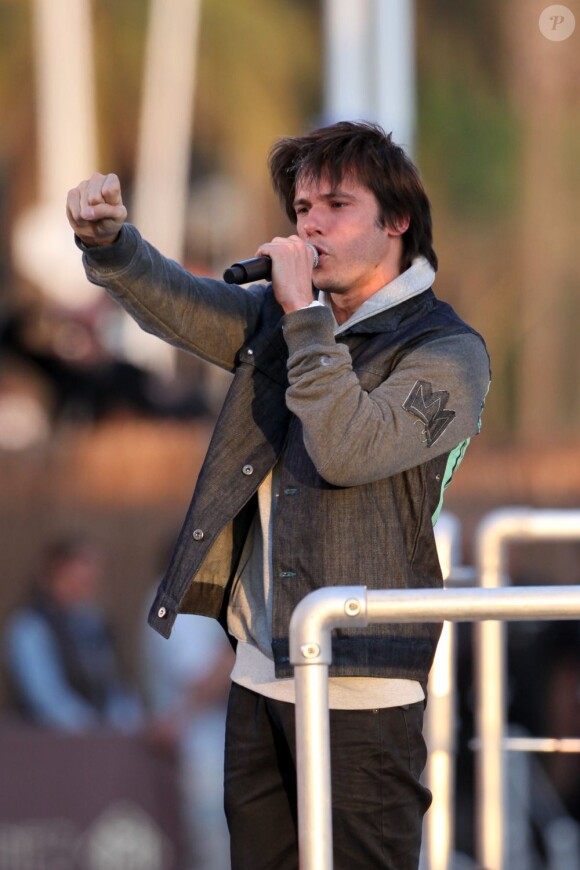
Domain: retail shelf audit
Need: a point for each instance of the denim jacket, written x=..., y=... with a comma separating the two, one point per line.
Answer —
x=367, y=428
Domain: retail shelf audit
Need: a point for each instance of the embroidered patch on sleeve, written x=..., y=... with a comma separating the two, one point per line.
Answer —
x=429, y=407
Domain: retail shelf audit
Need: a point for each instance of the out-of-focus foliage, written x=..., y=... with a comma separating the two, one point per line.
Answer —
x=119, y=35
x=499, y=113
x=498, y=131
x=17, y=141
x=476, y=134
x=15, y=74
x=259, y=76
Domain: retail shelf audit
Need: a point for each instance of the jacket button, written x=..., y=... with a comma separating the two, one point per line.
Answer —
x=325, y=361
x=161, y=612
x=198, y=535
x=248, y=469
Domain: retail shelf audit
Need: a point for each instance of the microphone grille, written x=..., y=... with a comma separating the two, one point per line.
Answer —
x=315, y=263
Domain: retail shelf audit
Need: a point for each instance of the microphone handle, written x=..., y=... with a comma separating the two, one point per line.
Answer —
x=255, y=269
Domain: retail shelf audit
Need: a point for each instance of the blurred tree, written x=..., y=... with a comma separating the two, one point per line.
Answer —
x=468, y=152
x=498, y=130
x=259, y=77
x=17, y=136
x=498, y=119
x=542, y=77
x=120, y=34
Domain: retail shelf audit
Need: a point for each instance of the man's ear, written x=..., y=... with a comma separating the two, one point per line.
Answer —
x=400, y=226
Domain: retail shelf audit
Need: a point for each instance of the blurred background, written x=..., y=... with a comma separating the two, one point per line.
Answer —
x=102, y=430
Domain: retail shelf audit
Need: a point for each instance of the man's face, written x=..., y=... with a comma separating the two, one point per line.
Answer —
x=356, y=255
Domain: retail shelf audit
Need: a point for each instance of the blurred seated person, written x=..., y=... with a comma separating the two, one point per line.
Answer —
x=187, y=680
x=59, y=650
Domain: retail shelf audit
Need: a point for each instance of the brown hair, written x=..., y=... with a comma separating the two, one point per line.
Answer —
x=363, y=151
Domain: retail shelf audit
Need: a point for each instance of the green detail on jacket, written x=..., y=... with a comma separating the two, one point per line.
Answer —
x=453, y=462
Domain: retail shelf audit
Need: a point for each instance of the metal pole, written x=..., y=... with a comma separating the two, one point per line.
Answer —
x=65, y=90
x=440, y=716
x=332, y=610
x=163, y=152
x=394, y=53
x=166, y=124
x=493, y=535
x=347, y=73
x=542, y=744
x=314, y=803
x=369, y=69
x=66, y=145
x=310, y=645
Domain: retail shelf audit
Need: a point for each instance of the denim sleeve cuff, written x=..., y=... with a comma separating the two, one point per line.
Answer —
x=115, y=256
x=311, y=326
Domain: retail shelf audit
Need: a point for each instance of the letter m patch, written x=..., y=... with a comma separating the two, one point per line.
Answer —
x=429, y=407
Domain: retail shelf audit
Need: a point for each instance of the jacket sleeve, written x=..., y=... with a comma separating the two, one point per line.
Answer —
x=204, y=316
x=429, y=404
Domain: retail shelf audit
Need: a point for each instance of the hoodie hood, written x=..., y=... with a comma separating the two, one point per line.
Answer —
x=415, y=280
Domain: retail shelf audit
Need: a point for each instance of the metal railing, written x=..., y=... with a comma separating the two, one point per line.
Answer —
x=354, y=606
x=494, y=535
x=440, y=718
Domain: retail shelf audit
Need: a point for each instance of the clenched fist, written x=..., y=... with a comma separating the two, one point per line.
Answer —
x=95, y=209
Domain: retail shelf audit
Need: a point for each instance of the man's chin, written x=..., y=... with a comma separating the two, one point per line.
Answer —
x=328, y=288
x=323, y=282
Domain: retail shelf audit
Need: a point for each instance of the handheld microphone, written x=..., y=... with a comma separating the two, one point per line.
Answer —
x=255, y=269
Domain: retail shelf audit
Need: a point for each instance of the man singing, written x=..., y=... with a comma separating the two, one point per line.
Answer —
x=355, y=394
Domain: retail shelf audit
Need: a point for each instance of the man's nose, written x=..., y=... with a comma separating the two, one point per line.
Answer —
x=313, y=224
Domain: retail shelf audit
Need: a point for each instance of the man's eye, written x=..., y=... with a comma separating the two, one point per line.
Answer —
x=338, y=204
